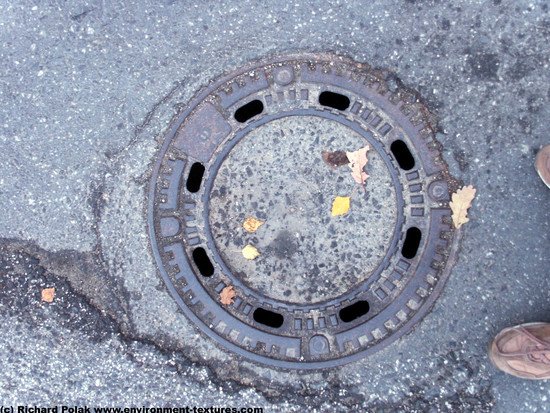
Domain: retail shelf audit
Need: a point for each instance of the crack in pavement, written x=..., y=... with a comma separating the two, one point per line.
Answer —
x=89, y=301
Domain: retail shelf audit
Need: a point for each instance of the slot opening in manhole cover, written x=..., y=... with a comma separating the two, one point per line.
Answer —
x=325, y=290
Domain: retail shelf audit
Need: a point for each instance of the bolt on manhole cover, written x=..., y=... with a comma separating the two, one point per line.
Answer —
x=325, y=290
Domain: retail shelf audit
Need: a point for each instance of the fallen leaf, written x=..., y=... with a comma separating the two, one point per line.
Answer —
x=357, y=161
x=227, y=295
x=48, y=294
x=461, y=201
x=250, y=252
x=252, y=224
x=335, y=159
x=340, y=205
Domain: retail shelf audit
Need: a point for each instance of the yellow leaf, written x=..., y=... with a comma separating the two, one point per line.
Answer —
x=252, y=224
x=250, y=252
x=357, y=161
x=48, y=294
x=461, y=201
x=340, y=205
x=227, y=295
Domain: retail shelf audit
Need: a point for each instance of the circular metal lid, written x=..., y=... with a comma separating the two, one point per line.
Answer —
x=325, y=290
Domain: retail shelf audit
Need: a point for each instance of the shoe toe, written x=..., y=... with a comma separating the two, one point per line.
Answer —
x=542, y=164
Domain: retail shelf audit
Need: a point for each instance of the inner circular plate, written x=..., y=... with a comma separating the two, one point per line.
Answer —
x=276, y=174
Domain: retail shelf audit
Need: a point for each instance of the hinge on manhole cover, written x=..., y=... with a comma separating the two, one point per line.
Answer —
x=324, y=290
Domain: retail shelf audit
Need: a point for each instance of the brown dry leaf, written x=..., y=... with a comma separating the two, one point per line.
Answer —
x=357, y=161
x=335, y=159
x=48, y=294
x=461, y=201
x=250, y=252
x=252, y=224
x=227, y=295
x=340, y=205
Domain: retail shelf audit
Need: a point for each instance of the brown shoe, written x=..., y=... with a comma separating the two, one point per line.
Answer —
x=523, y=351
x=542, y=164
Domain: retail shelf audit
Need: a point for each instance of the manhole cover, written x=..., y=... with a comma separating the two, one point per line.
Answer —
x=325, y=290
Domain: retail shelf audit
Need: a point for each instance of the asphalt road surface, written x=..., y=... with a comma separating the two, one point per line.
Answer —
x=87, y=90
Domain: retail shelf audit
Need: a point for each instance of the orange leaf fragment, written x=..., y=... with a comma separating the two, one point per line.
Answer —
x=227, y=295
x=48, y=294
x=252, y=224
x=461, y=201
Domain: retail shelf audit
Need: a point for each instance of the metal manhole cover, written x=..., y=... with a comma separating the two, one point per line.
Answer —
x=325, y=290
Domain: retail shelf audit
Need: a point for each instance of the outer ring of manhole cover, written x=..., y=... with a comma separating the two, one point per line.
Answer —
x=385, y=304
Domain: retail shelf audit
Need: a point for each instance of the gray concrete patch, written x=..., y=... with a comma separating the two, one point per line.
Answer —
x=277, y=174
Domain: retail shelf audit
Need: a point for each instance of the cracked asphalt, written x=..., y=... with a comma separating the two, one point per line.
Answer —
x=87, y=90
